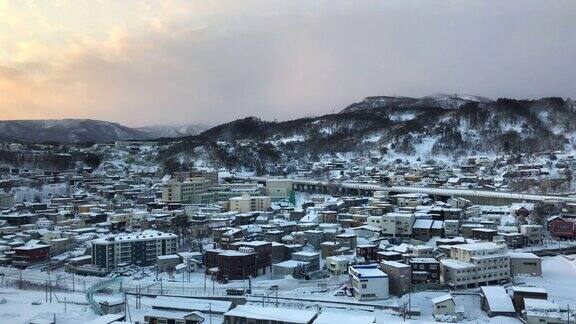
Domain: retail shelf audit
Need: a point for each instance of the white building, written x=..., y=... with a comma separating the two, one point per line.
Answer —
x=393, y=224
x=476, y=264
x=537, y=311
x=140, y=249
x=444, y=305
x=278, y=188
x=368, y=282
x=533, y=233
x=337, y=265
x=194, y=190
x=247, y=203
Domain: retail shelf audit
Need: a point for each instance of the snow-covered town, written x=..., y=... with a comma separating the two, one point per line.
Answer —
x=363, y=240
x=287, y=161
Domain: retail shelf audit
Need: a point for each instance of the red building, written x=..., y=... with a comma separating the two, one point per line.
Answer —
x=230, y=264
x=562, y=228
x=368, y=251
x=28, y=254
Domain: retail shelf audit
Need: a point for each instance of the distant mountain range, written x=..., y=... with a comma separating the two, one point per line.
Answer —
x=86, y=130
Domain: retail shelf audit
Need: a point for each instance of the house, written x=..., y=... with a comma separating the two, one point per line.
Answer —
x=388, y=256
x=424, y=270
x=367, y=251
x=399, y=277
x=268, y=315
x=533, y=233
x=496, y=302
x=292, y=268
x=337, y=265
x=513, y=240
x=368, y=282
x=329, y=248
x=347, y=240
x=437, y=229
x=484, y=234
x=329, y=317
x=312, y=258
x=187, y=305
x=538, y=311
x=451, y=228
x=422, y=229
x=521, y=293
x=525, y=263
x=165, y=263
x=444, y=305
x=158, y=317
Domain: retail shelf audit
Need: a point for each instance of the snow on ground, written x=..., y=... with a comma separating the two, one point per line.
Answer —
x=558, y=275
x=401, y=116
x=18, y=307
x=558, y=278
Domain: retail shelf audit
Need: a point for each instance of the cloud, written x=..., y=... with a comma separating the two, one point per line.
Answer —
x=214, y=61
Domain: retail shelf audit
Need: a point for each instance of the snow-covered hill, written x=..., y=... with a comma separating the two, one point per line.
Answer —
x=450, y=127
x=85, y=130
x=438, y=100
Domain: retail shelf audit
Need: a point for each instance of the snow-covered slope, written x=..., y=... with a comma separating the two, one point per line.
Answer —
x=85, y=130
x=438, y=100
x=157, y=131
x=452, y=127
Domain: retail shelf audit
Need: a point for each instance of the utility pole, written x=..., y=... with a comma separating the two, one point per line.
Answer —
x=409, y=305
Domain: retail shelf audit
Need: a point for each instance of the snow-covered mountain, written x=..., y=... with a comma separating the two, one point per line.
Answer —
x=170, y=131
x=438, y=100
x=428, y=127
x=84, y=130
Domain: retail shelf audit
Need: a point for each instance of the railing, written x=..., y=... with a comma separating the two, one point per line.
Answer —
x=98, y=287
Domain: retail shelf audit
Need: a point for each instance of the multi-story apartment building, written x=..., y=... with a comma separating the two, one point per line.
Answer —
x=474, y=264
x=533, y=233
x=6, y=200
x=278, y=188
x=399, y=276
x=230, y=190
x=140, y=249
x=193, y=191
x=393, y=224
x=247, y=203
x=368, y=282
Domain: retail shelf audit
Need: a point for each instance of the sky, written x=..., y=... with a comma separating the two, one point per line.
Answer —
x=142, y=62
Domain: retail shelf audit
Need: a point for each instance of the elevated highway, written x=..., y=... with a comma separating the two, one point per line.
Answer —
x=486, y=197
